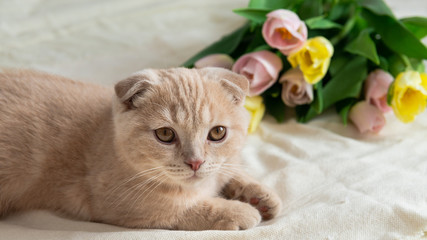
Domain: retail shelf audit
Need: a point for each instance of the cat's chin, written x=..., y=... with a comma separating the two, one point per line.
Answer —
x=193, y=180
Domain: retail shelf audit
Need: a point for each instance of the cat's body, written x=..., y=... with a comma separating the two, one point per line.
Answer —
x=158, y=153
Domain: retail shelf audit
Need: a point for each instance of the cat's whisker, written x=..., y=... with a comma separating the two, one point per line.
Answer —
x=239, y=166
x=161, y=177
x=134, y=188
x=129, y=189
x=231, y=173
x=156, y=182
x=231, y=168
x=234, y=164
x=161, y=180
x=146, y=182
x=137, y=175
x=226, y=174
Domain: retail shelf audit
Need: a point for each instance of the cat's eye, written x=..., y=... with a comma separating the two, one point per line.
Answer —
x=217, y=133
x=165, y=135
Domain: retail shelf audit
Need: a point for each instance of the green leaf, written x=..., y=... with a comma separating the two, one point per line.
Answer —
x=337, y=63
x=302, y=112
x=364, y=46
x=256, y=42
x=417, y=65
x=376, y=6
x=351, y=21
x=390, y=93
x=339, y=10
x=395, y=35
x=271, y=4
x=321, y=23
x=346, y=84
x=310, y=9
x=255, y=15
x=417, y=25
x=273, y=102
x=262, y=47
x=226, y=45
x=343, y=108
x=396, y=65
x=384, y=64
x=393, y=32
x=276, y=108
x=318, y=101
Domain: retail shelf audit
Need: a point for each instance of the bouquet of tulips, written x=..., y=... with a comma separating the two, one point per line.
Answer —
x=311, y=55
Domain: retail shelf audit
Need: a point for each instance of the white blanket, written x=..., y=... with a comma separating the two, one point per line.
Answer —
x=334, y=182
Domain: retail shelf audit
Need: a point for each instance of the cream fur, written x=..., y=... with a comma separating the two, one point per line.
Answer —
x=90, y=152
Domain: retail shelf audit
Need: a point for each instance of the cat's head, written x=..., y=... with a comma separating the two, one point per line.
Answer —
x=186, y=125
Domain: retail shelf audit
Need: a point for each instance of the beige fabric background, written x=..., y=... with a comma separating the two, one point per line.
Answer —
x=334, y=182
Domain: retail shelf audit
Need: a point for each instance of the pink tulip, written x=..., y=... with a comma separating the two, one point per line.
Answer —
x=367, y=117
x=376, y=88
x=295, y=90
x=215, y=60
x=260, y=68
x=284, y=30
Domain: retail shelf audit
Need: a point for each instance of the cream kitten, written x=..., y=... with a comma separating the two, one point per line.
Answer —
x=161, y=151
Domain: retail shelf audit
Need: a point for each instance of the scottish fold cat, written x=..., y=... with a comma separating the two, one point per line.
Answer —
x=159, y=150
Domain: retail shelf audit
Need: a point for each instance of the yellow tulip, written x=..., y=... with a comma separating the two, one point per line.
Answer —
x=256, y=108
x=409, y=95
x=313, y=58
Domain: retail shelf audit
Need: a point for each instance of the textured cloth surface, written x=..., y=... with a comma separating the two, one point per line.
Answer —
x=334, y=182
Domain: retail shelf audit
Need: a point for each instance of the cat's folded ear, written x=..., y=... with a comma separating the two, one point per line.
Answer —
x=237, y=85
x=134, y=86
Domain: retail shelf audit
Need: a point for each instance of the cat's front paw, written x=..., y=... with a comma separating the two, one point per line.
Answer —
x=237, y=216
x=262, y=198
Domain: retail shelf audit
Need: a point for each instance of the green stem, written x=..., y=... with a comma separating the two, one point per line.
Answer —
x=347, y=27
x=407, y=63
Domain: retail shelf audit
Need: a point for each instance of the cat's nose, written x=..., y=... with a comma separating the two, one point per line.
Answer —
x=194, y=164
